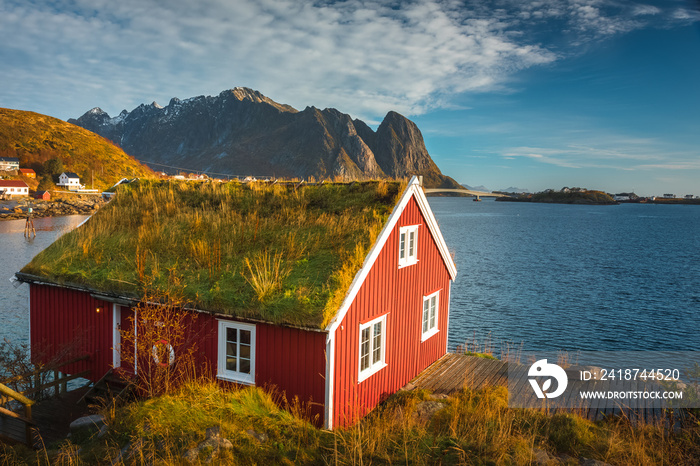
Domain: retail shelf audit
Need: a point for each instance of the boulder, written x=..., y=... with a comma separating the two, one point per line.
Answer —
x=214, y=443
x=93, y=423
x=425, y=410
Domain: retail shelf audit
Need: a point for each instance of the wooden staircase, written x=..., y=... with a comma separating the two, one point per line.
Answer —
x=110, y=387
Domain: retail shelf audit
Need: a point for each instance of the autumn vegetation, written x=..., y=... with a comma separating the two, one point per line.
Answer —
x=472, y=427
x=50, y=146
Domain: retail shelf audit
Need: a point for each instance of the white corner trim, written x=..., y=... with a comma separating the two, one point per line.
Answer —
x=330, y=380
x=447, y=321
x=29, y=313
x=412, y=190
x=116, y=335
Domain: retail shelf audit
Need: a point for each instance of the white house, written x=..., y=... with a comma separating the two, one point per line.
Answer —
x=9, y=163
x=14, y=188
x=70, y=181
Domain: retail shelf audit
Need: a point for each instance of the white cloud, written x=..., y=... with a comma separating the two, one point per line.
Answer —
x=687, y=165
x=611, y=152
x=683, y=14
x=363, y=57
x=643, y=10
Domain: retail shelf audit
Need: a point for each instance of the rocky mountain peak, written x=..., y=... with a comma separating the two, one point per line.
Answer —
x=243, y=132
x=245, y=93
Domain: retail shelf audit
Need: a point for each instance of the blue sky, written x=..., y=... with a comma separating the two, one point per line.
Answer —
x=542, y=94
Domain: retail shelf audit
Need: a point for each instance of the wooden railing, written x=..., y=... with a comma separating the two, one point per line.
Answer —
x=60, y=381
x=26, y=419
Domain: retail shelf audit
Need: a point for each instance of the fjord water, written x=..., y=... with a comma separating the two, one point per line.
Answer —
x=556, y=277
x=550, y=277
x=15, y=252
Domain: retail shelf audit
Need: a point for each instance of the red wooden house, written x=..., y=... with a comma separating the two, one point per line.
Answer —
x=28, y=172
x=44, y=195
x=390, y=324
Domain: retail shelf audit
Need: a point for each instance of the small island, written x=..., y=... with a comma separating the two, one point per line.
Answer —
x=563, y=196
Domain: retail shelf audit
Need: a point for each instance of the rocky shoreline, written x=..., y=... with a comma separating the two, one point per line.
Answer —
x=74, y=205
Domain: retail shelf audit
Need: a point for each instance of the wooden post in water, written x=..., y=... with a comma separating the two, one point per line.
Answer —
x=29, y=225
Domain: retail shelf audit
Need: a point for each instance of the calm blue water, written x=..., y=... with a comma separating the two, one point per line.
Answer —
x=15, y=252
x=545, y=276
x=560, y=277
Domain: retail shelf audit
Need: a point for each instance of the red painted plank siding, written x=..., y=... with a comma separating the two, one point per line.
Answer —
x=398, y=293
x=289, y=361
x=66, y=322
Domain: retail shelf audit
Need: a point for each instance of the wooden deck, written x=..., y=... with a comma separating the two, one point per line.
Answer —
x=454, y=372
x=51, y=420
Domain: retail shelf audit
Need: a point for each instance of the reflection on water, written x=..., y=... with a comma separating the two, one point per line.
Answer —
x=16, y=251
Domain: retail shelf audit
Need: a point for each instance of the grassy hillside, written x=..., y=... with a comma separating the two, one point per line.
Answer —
x=36, y=139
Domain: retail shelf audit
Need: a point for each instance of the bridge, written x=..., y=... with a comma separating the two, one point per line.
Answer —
x=463, y=191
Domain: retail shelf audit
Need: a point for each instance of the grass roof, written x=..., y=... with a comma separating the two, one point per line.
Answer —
x=270, y=252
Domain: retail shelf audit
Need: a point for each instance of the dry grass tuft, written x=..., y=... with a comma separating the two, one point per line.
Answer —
x=265, y=274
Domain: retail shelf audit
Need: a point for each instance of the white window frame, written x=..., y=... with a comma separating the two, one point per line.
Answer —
x=429, y=331
x=374, y=366
x=405, y=234
x=229, y=375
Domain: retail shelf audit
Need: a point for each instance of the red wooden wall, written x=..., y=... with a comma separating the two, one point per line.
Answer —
x=287, y=360
x=398, y=292
x=66, y=323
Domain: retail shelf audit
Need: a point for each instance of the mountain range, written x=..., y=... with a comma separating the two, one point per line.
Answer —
x=242, y=132
x=481, y=187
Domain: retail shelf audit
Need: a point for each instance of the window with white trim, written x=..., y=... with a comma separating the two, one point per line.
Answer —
x=236, y=354
x=431, y=308
x=408, y=245
x=372, y=347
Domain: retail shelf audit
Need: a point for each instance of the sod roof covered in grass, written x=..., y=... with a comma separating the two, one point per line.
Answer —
x=276, y=253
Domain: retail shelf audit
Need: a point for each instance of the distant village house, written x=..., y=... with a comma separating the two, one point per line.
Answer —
x=14, y=188
x=9, y=163
x=43, y=195
x=28, y=172
x=70, y=181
